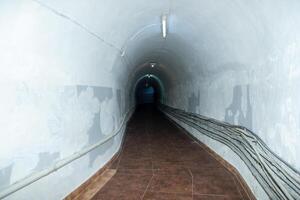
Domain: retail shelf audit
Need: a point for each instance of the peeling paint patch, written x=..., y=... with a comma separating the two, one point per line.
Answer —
x=5, y=174
x=96, y=132
x=194, y=102
x=46, y=159
x=234, y=114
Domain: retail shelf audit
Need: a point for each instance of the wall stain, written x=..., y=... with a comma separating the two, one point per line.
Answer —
x=95, y=135
x=120, y=103
x=94, y=132
x=46, y=159
x=234, y=113
x=5, y=174
x=193, y=102
x=81, y=88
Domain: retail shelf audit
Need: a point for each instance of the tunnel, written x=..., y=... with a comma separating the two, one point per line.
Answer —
x=158, y=99
x=148, y=90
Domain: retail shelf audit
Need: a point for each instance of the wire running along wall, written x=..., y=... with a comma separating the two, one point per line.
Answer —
x=277, y=178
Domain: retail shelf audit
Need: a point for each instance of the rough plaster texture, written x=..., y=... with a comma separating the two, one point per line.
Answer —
x=68, y=71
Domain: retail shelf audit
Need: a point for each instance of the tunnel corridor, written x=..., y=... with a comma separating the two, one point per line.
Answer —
x=160, y=99
x=148, y=90
x=159, y=161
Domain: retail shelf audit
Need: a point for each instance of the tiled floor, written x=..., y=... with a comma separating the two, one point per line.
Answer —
x=158, y=161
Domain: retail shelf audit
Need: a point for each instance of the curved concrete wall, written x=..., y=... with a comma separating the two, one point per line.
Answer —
x=68, y=67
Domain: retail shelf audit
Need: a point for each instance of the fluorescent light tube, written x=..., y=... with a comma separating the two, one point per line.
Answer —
x=164, y=26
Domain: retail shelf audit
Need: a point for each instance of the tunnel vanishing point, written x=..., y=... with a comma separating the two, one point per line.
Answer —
x=139, y=99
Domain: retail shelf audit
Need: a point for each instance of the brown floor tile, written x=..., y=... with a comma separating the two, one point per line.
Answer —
x=96, y=184
x=114, y=195
x=193, y=156
x=204, y=162
x=136, y=154
x=171, y=184
x=158, y=161
x=166, y=196
x=136, y=145
x=211, y=171
x=244, y=195
x=172, y=172
x=126, y=163
x=214, y=185
x=216, y=197
x=191, y=147
x=170, y=168
x=166, y=164
x=182, y=143
x=115, y=163
x=166, y=156
x=135, y=171
x=243, y=192
x=127, y=182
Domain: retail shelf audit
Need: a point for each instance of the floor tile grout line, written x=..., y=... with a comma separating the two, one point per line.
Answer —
x=216, y=195
x=119, y=160
x=192, y=183
x=198, y=194
x=176, y=149
x=240, y=184
x=142, y=197
x=201, y=145
x=151, y=166
x=149, y=131
x=237, y=187
x=122, y=149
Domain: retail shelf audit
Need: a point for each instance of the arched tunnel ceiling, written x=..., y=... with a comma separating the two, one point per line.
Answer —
x=199, y=34
x=134, y=28
x=198, y=31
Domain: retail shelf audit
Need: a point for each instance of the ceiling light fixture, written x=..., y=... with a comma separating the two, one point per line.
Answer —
x=152, y=64
x=164, y=26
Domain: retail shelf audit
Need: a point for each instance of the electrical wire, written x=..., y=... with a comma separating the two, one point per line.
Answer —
x=278, y=179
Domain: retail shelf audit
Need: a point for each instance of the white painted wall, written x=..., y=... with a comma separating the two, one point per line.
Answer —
x=250, y=73
x=59, y=95
x=67, y=69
